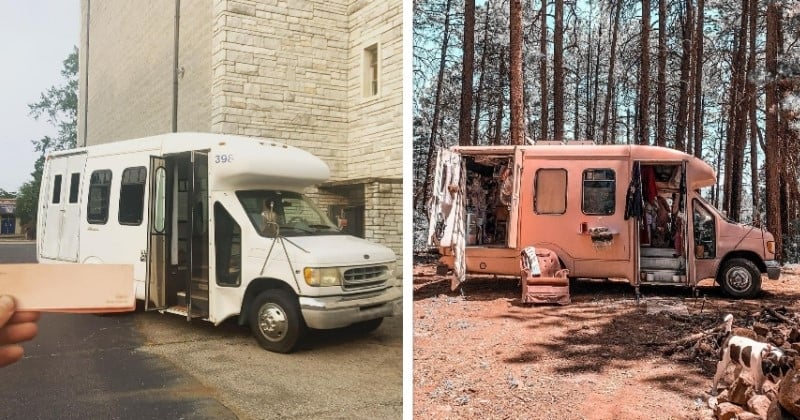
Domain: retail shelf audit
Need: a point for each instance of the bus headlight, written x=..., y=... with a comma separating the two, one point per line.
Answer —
x=771, y=247
x=322, y=277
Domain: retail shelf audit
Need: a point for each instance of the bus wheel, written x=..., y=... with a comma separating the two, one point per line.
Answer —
x=276, y=321
x=740, y=278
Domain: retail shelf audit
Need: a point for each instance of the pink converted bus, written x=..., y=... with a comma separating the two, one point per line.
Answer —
x=553, y=211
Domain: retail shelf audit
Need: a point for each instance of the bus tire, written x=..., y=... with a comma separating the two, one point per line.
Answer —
x=276, y=321
x=740, y=278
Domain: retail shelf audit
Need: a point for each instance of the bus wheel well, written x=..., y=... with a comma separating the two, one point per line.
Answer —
x=255, y=288
x=748, y=255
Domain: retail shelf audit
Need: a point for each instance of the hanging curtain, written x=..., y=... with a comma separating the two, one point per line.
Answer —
x=634, y=202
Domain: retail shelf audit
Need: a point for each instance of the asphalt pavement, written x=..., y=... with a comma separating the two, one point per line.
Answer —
x=151, y=365
x=83, y=366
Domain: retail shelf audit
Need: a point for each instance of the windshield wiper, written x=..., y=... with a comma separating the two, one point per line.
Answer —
x=296, y=228
x=326, y=227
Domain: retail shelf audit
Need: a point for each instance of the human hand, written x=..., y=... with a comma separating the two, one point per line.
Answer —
x=15, y=327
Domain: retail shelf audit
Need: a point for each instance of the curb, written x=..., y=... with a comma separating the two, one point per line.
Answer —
x=16, y=241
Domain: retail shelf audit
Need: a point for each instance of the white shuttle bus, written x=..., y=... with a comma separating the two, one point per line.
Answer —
x=216, y=226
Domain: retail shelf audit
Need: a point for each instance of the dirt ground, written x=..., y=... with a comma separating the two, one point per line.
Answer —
x=484, y=354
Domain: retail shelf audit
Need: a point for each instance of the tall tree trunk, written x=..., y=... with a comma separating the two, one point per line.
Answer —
x=772, y=158
x=558, y=72
x=644, y=78
x=611, y=68
x=515, y=68
x=698, y=80
x=479, y=92
x=587, y=76
x=614, y=126
x=683, y=95
x=729, y=135
x=661, y=89
x=720, y=146
x=576, y=128
x=467, y=60
x=595, y=95
x=499, y=115
x=437, y=111
x=628, y=126
x=543, y=133
x=750, y=94
x=740, y=115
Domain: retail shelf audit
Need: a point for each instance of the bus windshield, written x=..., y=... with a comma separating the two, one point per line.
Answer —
x=287, y=213
x=716, y=210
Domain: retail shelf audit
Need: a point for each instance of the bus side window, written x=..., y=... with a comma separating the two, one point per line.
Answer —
x=599, y=189
x=99, y=194
x=550, y=191
x=228, y=244
x=131, y=196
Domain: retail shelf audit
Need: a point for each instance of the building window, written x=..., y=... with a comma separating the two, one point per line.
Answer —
x=599, y=188
x=131, y=196
x=371, y=71
x=57, y=189
x=550, y=188
x=74, y=184
x=349, y=219
x=99, y=192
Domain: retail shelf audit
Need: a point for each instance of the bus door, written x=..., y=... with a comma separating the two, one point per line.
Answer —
x=156, y=255
x=446, y=214
x=60, y=236
x=197, y=288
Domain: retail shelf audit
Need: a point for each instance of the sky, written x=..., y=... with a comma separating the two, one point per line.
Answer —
x=35, y=38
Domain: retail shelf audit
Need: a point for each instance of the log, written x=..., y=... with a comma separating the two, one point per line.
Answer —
x=783, y=318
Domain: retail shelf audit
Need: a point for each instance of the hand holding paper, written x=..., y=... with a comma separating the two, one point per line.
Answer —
x=69, y=287
x=15, y=327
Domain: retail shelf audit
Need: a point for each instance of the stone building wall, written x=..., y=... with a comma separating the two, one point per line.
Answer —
x=129, y=83
x=292, y=71
x=384, y=214
x=375, y=123
x=280, y=73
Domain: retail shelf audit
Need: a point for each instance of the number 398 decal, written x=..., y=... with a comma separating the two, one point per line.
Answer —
x=226, y=158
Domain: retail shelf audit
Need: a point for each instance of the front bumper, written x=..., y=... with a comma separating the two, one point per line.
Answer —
x=340, y=311
x=773, y=269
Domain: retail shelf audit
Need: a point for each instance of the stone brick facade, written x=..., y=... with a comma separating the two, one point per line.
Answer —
x=293, y=71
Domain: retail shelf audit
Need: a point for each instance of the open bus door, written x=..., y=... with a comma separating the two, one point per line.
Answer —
x=197, y=282
x=513, y=211
x=155, y=258
x=683, y=208
x=446, y=215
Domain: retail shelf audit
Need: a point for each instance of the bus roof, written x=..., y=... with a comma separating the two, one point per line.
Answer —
x=235, y=162
x=700, y=173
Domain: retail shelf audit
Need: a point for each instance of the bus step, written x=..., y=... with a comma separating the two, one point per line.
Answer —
x=199, y=301
x=663, y=277
x=181, y=310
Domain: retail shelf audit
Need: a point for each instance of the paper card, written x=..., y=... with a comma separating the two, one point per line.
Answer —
x=69, y=287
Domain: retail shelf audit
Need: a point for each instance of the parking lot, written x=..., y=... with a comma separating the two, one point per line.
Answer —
x=97, y=366
x=339, y=373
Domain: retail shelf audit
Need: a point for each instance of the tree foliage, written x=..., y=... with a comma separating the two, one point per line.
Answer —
x=58, y=105
x=588, y=74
